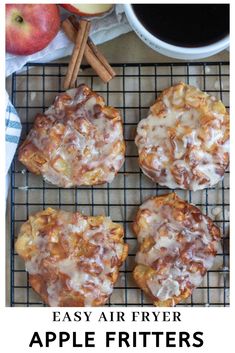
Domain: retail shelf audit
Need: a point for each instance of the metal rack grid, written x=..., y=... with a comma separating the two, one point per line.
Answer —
x=132, y=91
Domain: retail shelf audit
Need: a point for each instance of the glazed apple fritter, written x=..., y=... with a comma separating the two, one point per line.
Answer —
x=77, y=141
x=184, y=142
x=177, y=245
x=72, y=259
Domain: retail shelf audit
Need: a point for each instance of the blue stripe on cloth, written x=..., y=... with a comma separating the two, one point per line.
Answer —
x=12, y=139
x=7, y=121
x=11, y=109
x=13, y=124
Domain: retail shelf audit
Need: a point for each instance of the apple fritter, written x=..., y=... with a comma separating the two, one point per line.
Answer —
x=177, y=245
x=184, y=142
x=72, y=259
x=77, y=141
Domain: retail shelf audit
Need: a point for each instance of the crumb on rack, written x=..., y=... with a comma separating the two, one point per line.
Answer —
x=22, y=188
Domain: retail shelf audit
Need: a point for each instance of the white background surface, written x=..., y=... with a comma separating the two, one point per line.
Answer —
x=19, y=325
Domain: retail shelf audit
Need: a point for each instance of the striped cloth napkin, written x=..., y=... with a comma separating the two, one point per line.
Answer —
x=12, y=132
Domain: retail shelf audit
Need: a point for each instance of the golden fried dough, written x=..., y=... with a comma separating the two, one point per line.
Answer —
x=77, y=141
x=177, y=245
x=72, y=259
x=184, y=142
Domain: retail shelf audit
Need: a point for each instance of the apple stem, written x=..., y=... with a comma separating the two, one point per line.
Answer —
x=19, y=19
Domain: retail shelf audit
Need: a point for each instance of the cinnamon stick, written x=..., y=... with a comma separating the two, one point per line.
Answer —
x=93, y=56
x=77, y=55
x=100, y=57
x=69, y=30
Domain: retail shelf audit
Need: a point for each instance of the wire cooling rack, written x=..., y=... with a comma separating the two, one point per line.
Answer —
x=132, y=91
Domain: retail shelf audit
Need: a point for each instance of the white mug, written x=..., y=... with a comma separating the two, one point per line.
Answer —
x=169, y=49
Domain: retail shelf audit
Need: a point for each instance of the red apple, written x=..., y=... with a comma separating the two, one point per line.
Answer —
x=30, y=27
x=88, y=9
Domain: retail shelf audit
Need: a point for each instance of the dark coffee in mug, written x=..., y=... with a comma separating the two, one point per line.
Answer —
x=185, y=25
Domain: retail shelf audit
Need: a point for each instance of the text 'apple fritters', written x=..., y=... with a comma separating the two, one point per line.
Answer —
x=72, y=259
x=77, y=141
x=184, y=142
x=177, y=245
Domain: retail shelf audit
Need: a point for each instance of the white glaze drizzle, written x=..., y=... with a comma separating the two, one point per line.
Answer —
x=167, y=255
x=88, y=274
x=181, y=143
